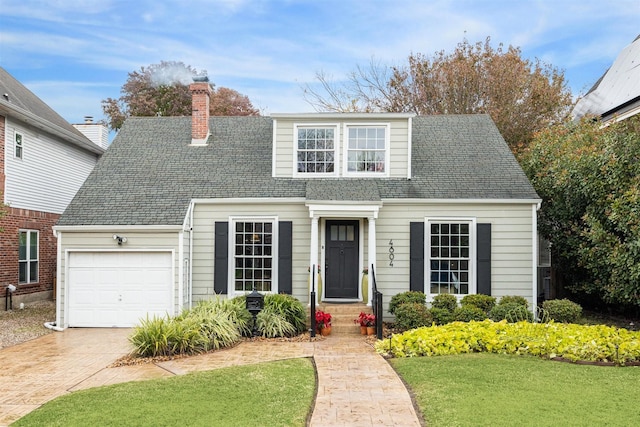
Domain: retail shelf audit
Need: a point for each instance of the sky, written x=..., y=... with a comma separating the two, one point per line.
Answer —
x=75, y=53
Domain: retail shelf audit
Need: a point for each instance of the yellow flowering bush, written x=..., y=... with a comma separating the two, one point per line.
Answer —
x=593, y=343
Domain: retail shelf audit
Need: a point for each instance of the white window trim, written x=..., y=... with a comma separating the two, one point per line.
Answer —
x=231, y=289
x=28, y=259
x=473, y=262
x=16, y=145
x=336, y=143
x=387, y=149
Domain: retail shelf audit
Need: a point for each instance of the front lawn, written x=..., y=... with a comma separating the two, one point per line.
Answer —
x=483, y=389
x=268, y=394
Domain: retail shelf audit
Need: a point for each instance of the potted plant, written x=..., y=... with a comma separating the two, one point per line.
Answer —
x=367, y=323
x=323, y=322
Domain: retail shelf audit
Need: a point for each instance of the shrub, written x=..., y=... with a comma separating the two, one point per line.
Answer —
x=163, y=336
x=150, y=338
x=596, y=343
x=562, y=310
x=511, y=312
x=508, y=299
x=483, y=302
x=272, y=324
x=290, y=308
x=446, y=301
x=216, y=328
x=441, y=316
x=234, y=309
x=412, y=315
x=405, y=297
x=467, y=313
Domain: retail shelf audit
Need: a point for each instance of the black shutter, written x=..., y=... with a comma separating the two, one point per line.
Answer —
x=416, y=256
x=221, y=267
x=284, y=257
x=484, y=258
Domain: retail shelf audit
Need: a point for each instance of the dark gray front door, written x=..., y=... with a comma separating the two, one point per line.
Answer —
x=341, y=267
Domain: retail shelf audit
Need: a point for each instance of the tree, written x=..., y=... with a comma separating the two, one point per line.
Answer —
x=163, y=90
x=589, y=179
x=521, y=96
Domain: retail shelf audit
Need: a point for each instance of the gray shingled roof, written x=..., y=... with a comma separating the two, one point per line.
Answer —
x=17, y=100
x=150, y=172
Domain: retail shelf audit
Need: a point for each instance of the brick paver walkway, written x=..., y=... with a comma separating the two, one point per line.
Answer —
x=356, y=387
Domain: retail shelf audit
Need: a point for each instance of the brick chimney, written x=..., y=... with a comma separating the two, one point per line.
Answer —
x=200, y=93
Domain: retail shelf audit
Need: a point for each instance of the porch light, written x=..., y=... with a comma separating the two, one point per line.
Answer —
x=255, y=304
x=119, y=239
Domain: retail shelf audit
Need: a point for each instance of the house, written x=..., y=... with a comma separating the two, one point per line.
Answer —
x=43, y=162
x=616, y=95
x=180, y=209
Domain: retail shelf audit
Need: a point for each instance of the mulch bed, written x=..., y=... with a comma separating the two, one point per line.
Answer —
x=132, y=360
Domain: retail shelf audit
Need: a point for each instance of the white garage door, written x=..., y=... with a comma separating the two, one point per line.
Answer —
x=108, y=289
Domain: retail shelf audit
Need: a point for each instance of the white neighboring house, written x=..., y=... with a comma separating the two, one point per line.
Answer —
x=98, y=133
x=43, y=162
x=616, y=95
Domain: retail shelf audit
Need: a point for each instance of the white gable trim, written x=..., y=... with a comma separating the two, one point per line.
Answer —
x=344, y=210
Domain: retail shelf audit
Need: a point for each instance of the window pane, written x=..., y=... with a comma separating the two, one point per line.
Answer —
x=33, y=272
x=33, y=253
x=22, y=272
x=22, y=245
x=350, y=233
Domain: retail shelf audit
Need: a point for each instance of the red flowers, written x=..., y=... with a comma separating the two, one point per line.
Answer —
x=365, y=319
x=323, y=319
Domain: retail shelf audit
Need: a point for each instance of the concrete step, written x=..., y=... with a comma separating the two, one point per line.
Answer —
x=343, y=316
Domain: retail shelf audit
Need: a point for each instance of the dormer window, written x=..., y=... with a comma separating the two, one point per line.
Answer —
x=367, y=149
x=316, y=149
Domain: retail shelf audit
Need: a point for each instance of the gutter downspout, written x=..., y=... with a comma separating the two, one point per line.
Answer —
x=534, y=222
x=52, y=326
x=189, y=273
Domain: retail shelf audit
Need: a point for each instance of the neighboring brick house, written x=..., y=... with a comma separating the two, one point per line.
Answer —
x=43, y=162
x=181, y=209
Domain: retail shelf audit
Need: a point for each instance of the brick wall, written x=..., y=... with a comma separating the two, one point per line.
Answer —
x=15, y=220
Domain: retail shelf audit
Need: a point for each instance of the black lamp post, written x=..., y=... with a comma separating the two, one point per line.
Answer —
x=255, y=304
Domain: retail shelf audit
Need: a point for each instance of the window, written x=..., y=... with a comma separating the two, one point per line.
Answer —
x=253, y=250
x=367, y=149
x=18, y=145
x=450, y=257
x=316, y=149
x=28, y=256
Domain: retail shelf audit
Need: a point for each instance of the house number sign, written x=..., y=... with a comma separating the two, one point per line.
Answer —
x=391, y=250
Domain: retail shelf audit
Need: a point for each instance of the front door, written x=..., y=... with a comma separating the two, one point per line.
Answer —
x=341, y=259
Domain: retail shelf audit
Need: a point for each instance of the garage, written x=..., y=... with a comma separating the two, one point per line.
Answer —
x=117, y=289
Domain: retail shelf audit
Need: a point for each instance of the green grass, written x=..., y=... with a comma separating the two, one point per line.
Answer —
x=499, y=390
x=268, y=394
